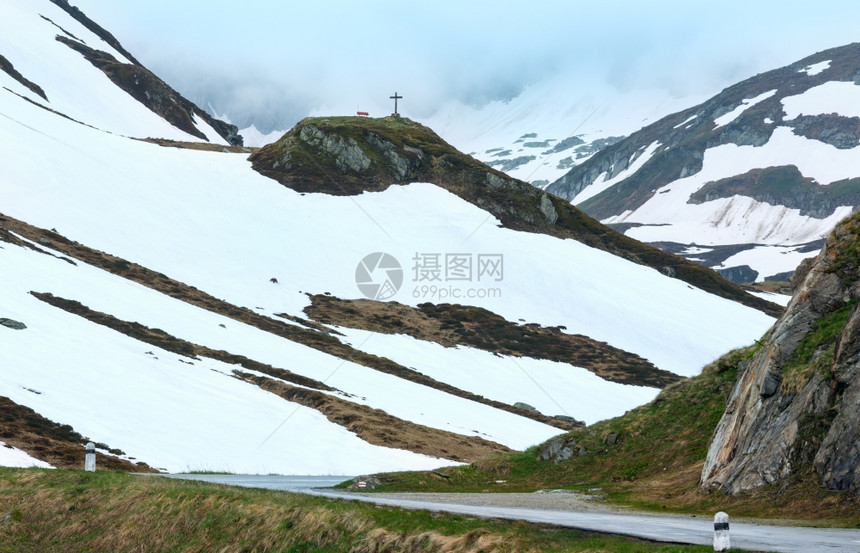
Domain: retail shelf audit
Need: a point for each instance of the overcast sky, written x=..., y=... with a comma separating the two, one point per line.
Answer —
x=275, y=61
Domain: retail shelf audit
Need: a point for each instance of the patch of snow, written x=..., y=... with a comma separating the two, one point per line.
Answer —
x=14, y=457
x=840, y=97
x=210, y=133
x=779, y=299
x=815, y=68
x=685, y=121
x=744, y=105
x=768, y=121
x=253, y=138
x=600, y=185
x=768, y=260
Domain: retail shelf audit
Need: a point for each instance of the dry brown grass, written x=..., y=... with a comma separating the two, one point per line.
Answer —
x=379, y=428
x=59, y=445
x=451, y=325
x=204, y=146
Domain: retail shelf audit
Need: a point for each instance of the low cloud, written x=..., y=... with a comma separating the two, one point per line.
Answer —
x=272, y=63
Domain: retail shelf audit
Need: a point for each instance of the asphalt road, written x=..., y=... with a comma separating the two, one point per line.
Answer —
x=673, y=529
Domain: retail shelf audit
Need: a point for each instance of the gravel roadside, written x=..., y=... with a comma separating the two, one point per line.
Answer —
x=565, y=500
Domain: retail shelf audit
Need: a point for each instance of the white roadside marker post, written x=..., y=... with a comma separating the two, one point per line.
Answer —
x=721, y=532
x=90, y=461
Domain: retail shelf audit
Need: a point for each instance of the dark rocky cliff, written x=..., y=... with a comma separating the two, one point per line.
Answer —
x=796, y=403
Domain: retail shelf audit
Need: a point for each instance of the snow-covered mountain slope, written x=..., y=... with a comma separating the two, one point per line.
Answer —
x=165, y=310
x=255, y=138
x=38, y=42
x=749, y=181
x=551, y=126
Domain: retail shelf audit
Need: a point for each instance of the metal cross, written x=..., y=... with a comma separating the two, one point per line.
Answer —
x=395, y=98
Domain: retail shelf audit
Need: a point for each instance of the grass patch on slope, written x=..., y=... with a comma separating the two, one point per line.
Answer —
x=63, y=510
x=650, y=458
x=815, y=352
x=678, y=423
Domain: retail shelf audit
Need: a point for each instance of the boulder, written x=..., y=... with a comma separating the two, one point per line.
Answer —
x=14, y=325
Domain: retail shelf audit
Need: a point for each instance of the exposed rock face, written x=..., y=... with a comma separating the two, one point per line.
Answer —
x=741, y=273
x=154, y=93
x=558, y=450
x=14, y=325
x=784, y=185
x=797, y=401
x=7, y=67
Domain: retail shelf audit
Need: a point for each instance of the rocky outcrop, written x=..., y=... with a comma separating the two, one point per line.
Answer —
x=796, y=403
x=741, y=273
x=352, y=155
x=7, y=67
x=559, y=449
x=145, y=87
x=14, y=325
x=786, y=186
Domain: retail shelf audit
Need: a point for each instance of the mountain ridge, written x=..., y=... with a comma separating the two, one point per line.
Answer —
x=350, y=155
x=672, y=179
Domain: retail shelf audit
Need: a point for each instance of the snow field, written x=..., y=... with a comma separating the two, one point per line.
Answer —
x=208, y=220
x=228, y=230
x=409, y=401
x=740, y=219
x=157, y=406
x=839, y=97
x=552, y=388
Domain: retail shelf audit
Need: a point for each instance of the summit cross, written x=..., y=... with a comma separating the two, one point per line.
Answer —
x=395, y=98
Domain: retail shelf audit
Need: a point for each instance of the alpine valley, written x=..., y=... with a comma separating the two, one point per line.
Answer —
x=188, y=303
x=359, y=296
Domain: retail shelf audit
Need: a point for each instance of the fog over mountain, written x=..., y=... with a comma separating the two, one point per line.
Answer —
x=272, y=63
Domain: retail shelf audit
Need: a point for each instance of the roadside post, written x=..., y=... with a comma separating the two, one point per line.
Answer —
x=721, y=532
x=90, y=461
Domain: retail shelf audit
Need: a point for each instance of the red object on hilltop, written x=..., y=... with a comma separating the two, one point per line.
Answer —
x=363, y=113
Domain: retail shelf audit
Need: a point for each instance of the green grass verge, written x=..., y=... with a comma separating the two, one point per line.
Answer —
x=651, y=459
x=65, y=510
